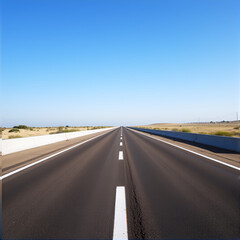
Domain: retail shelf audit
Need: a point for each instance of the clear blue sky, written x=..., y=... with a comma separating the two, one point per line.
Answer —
x=119, y=62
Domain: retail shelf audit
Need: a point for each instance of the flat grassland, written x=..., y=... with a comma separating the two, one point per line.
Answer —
x=225, y=128
x=16, y=132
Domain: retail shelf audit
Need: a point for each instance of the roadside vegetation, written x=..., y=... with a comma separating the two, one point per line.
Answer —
x=1, y=131
x=26, y=131
x=14, y=130
x=64, y=130
x=223, y=128
x=14, y=136
x=224, y=133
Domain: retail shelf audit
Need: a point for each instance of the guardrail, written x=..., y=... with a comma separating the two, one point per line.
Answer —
x=228, y=143
x=19, y=144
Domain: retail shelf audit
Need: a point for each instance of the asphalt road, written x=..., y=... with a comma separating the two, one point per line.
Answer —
x=170, y=193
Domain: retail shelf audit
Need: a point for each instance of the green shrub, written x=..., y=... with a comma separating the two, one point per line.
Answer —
x=14, y=130
x=65, y=131
x=223, y=133
x=21, y=127
x=60, y=128
x=15, y=136
x=69, y=130
x=96, y=127
x=186, y=130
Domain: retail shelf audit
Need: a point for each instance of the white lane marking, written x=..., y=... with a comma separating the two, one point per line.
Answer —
x=46, y=158
x=120, y=216
x=120, y=143
x=120, y=156
x=199, y=154
x=120, y=138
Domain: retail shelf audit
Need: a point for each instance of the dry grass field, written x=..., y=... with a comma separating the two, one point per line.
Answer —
x=8, y=133
x=226, y=128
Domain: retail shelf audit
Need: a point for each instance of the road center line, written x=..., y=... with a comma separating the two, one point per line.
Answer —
x=120, y=156
x=121, y=144
x=199, y=154
x=46, y=158
x=120, y=216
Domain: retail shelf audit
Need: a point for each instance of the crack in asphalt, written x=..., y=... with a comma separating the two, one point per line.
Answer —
x=137, y=230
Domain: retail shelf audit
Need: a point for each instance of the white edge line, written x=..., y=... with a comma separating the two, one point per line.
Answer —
x=120, y=216
x=199, y=154
x=46, y=158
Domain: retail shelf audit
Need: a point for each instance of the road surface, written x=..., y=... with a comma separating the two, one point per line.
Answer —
x=122, y=187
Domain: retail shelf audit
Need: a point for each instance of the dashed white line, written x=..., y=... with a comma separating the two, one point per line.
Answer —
x=120, y=156
x=120, y=216
x=121, y=144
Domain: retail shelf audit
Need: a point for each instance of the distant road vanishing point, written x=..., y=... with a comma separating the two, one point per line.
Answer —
x=120, y=184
